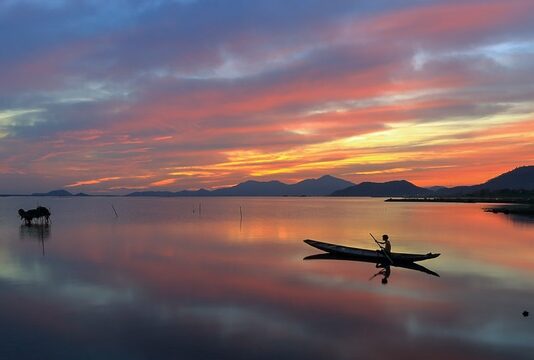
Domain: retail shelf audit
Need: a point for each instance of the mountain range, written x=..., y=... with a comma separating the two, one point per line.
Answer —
x=390, y=188
x=322, y=186
x=520, y=180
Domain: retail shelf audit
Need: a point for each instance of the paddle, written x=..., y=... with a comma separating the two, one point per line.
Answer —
x=375, y=275
x=383, y=250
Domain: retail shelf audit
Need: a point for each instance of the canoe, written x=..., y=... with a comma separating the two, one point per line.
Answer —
x=406, y=265
x=375, y=255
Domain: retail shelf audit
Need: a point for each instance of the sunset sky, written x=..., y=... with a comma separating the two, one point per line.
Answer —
x=107, y=96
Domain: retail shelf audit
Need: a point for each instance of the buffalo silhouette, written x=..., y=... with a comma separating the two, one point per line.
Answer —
x=41, y=213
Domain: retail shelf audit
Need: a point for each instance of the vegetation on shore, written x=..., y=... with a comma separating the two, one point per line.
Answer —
x=466, y=199
x=513, y=210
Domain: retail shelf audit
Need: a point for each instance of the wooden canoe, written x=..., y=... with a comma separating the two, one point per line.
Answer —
x=374, y=255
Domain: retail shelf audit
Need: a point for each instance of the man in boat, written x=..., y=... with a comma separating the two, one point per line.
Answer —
x=387, y=244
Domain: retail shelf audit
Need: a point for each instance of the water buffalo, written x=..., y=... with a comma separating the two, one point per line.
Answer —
x=41, y=213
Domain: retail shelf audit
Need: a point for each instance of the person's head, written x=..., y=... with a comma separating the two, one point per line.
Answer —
x=385, y=237
x=384, y=281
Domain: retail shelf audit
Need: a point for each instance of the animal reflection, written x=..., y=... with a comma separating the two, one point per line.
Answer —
x=39, y=232
x=41, y=214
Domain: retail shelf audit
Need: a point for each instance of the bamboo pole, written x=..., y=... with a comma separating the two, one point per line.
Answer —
x=115, y=211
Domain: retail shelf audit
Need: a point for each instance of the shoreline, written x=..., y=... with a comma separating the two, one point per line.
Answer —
x=464, y=200
x=522, y=210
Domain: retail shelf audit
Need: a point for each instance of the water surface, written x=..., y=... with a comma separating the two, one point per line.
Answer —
x=167, y=281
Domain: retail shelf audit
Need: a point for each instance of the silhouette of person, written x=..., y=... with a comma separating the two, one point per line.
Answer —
x=385, y=272
x=387, y=244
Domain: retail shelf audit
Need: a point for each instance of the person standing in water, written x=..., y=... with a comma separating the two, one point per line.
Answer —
x=387, y=244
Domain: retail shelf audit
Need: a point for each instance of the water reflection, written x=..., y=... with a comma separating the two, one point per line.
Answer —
x=521, y=220
x=385, y=272
x=162, y=283
x=522, y=215
x=37, y=232
x=385, y=269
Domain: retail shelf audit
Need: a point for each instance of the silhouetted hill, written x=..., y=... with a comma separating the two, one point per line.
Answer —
x=390, y=188
x=54, y=193
x=153, y=193
x=521, y=178
x=436, y=188
x=323, y=186
x=60, y=193
x=253, y=188
x=201, y=192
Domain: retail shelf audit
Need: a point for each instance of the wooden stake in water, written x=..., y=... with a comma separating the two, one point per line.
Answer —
x=115, y=211
x=240, y=218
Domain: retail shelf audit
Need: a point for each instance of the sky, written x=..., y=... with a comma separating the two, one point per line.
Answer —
x=107, y=96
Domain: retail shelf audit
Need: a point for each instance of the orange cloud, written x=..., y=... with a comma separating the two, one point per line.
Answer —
x=163, y=182
x=93, y=181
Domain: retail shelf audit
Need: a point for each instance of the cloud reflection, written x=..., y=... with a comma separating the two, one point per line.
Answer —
x=165, y=282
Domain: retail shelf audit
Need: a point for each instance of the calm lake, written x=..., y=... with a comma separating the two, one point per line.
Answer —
x=164, y=280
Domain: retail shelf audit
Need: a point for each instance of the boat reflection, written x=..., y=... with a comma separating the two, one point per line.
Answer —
x=385, y=269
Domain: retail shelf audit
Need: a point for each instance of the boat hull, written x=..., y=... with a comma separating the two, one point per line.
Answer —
x=374, y=255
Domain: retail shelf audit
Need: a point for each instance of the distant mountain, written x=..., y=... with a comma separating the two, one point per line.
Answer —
x=521, y=178
x=152, y=193
x=436, y=188
x=60, y=193
x=201, y=192
x=390, y=188
x=322, y=186
x=253, y=188
x=54, y=193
